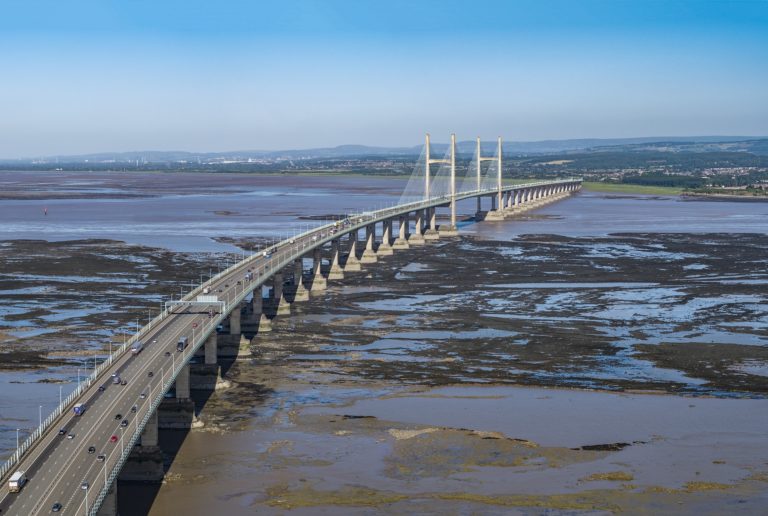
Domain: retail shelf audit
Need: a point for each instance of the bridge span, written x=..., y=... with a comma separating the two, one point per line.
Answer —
x=80, y=472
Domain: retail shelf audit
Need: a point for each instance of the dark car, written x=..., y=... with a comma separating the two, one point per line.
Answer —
x=134, y=409
x=123, y=383
x=150, y=374
x=102, y=388
x=167, y=353
x=62, y=431
x=118, y=416
x=91, y=449
x=101, y=457
x=124, y=423
x=56, y=507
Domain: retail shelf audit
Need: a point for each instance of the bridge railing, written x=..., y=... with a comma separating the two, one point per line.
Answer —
x=355, y=221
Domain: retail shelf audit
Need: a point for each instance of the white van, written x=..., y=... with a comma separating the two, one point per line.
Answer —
x=17, y=481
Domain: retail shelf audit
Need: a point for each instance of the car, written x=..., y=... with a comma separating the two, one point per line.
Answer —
x=124, y=423
x=167, y=353
x=118, y=416
x=101, y=457
x=56, y=507
x=62, y=431
x=70, y=436
x=113, y=439
x=220, y=290
x=239, y=282
x=154, y=341
x=134, y=408
x=143, y=395
x=84, y=485
x=91, y=449
x=123, y=383
x=226, y=285
x=150, y=374
x=102, y=388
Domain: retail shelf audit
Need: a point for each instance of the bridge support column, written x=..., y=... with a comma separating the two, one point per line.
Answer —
x=283, y=307
x=182, y=384
x=401, y=242
x=352, y=263
x=302, y=294
x=234, y=321
x=109, y=504
x=385, y=248
x=369, y=254
x=417, y=238
x=318, y=280
x=335, y=272
x=212, y=349
x=431, y=232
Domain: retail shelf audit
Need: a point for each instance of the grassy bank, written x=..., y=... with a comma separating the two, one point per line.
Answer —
x=631, y=189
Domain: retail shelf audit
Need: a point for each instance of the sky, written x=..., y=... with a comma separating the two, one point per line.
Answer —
x=82, y=76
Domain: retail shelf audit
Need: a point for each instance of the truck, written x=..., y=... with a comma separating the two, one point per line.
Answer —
x=79, y=409
x=207, y=290
x=17, y=481
x=137, y=347
x=182, y=343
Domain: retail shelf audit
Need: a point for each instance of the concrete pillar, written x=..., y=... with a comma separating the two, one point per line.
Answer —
x=282, y=304
x=149, y=434
x=401, y=242
x=352, y=264
x=211, y=349
x=385, y=248
x=302, y=294
x=182, y=383
x=369, y=253
x=335, y=272
x=109, y=504
x=417, y=238
x=234, y=321
x=318, y=280
x=431, y=232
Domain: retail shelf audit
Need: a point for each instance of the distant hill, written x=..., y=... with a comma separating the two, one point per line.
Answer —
x=751, y=144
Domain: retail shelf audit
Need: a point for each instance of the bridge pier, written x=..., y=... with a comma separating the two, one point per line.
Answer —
x=145, y=462
x=431, y=232
x=401, y=242
x=302, y=294
x=178, y=412
x=369, y=254
x=335, y=272
x=234, y=321
x=283, y=307
x=385, y=248
x=318, y=280
x=352, y=263
x=417, y=238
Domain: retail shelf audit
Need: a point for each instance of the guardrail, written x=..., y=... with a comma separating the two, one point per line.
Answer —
x=355, y=221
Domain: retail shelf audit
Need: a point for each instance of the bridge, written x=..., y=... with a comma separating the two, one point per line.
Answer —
x=75, y=460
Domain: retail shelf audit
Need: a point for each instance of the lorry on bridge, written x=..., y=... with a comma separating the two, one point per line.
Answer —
x=183, y=342
x=79, y=409
x=17, y=481
x=137, y=347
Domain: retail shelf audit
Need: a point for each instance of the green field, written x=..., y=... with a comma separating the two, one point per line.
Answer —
x=631, y=189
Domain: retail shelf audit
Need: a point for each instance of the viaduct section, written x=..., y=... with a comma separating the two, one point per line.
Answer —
x=212, y=322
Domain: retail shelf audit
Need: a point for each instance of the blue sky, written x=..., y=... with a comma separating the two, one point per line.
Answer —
x=89, y=76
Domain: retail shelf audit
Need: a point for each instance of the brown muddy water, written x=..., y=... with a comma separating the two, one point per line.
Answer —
x=603, y=354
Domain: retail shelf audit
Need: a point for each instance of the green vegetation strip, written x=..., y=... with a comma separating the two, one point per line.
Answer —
x=631, y=189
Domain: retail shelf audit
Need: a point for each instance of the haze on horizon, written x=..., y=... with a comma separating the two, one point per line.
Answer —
x=201, y=76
